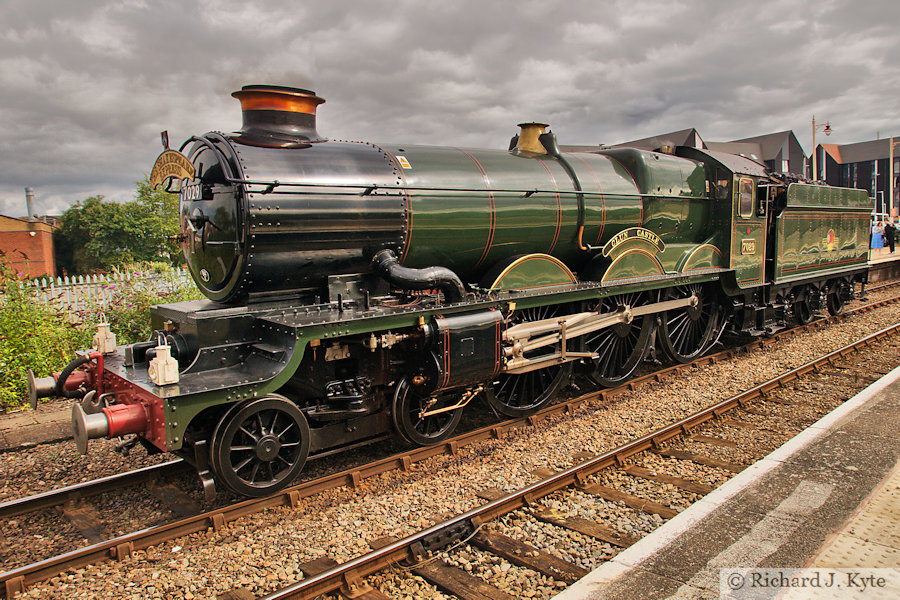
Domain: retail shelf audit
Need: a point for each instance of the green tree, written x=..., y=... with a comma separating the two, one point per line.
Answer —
x=161, y=211
x=97, y=235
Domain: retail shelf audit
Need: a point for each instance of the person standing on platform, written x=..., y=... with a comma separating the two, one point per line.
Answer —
x=876, y=241
x=890, y=235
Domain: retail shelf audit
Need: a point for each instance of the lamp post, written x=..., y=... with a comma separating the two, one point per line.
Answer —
x=827, y=130
x=890, y=207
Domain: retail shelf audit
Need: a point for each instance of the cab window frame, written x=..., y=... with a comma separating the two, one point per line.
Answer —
x=746, y=199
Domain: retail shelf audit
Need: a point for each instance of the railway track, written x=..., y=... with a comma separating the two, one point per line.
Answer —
x=120, y=547
x=883, y=286
x=423, y=552
x=87, y=489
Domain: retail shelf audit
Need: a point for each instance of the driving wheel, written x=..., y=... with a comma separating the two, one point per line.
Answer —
x=620, y=348
x=526, y=393
x=686, y=333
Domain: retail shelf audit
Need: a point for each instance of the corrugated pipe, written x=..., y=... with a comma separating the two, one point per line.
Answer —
x=442, y=278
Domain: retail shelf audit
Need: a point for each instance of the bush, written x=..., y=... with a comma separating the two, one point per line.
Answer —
x=32, y=336
x=38, y=337
x=128, y=310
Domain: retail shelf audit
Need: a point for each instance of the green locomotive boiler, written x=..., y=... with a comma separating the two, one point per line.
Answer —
x=359, y=290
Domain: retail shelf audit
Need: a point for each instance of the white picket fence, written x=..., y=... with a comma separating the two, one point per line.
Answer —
x=97, y=291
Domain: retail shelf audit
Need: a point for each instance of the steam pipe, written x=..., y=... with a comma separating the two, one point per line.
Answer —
x=386, y=265
x=61, y=390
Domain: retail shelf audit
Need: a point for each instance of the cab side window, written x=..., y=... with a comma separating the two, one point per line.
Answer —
x=723, y=183
x=745, y=190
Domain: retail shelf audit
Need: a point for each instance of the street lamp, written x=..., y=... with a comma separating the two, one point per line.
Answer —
x=827, y=129
x=890, y=206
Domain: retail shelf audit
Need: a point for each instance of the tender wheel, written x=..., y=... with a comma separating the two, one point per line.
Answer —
x=802, y=311
x=410, y=404
x=686, y=333
x=834, y=302
x=259, y=447
x=526, y=393
x=621, y=347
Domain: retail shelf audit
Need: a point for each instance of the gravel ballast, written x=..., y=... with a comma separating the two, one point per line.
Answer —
x=263, y=552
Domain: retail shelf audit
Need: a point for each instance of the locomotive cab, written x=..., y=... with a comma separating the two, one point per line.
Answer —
x=794, y=247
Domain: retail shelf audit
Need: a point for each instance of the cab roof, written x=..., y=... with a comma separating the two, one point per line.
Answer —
x=738, y=165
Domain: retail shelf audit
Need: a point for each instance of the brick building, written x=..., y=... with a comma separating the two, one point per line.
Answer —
x=864, y=165
x=27, y=246
x=780, y=151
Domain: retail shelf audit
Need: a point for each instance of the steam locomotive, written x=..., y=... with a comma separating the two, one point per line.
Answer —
x=358, y=290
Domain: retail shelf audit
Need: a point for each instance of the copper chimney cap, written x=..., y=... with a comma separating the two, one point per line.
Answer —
x=278, y=117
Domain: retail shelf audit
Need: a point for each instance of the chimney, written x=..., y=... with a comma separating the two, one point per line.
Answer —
x=529, y=138
x=278, y=117
x=29, y=200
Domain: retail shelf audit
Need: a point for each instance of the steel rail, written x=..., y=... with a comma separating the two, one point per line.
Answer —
x=26, y=504
x=351, y=572
x=881, y=286
x=121, y=547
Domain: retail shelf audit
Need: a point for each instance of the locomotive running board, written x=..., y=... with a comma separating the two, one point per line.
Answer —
x=561, y=329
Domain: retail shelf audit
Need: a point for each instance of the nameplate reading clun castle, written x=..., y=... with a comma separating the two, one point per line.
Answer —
x=634, y=233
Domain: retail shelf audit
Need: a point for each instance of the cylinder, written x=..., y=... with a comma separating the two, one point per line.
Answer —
x=124, y=419
x=45, y=387
x=39, y=387
x=87, y=427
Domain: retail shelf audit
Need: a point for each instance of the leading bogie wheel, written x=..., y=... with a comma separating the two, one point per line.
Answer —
x=260, y=446
x=411, y=409
x=526, y=393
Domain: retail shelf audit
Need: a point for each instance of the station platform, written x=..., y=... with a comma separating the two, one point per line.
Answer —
x=883, y=264
x=50, y=422
x=877, y=255
x=827, y=502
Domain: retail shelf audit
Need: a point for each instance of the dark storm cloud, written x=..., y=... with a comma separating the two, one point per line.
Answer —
x=88, y=86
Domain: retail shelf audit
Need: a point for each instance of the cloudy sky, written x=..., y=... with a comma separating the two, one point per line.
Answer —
x=86, y=86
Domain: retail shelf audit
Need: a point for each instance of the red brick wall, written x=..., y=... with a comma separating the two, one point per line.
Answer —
x=27, y=253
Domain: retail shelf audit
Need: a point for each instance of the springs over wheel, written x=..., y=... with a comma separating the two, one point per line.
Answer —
x=259, y=446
